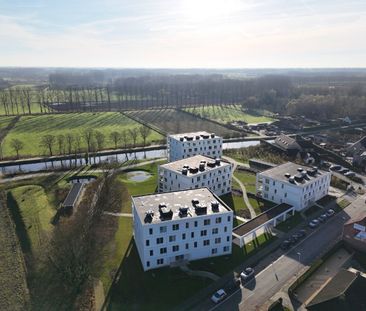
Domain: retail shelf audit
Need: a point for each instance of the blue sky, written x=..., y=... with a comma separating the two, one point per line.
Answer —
x=183, y=33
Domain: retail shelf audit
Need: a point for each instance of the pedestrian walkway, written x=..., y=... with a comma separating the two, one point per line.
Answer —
x=118, y=214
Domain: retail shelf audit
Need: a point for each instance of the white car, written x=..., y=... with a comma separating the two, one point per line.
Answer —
x=219, y=296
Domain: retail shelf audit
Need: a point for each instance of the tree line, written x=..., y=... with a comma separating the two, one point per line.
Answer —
x=93, y=140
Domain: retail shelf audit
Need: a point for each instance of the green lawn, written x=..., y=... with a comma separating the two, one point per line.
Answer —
x=236, y=203
x=4, y=122
x=290, y=223
x=247, y=178
x=226, y=114
x=30, y=129
x=175, y=121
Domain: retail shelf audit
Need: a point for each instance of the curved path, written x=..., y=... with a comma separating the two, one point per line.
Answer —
x=204, y=274
x=243, y=189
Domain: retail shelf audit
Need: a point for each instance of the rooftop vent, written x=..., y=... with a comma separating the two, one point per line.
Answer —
x=200, y=209
x=183, y=211
x=212, y=135
x=161, y=205
x=299, y=178
x=198, y=137
x=215, y=206
x=181, y=138
x=202, y=167
x=193, y=170
x=217, y=161
x=189, y=137
x=149, y=216
x=211, y=164
x=205, y=136
x=300, y=169
x=195, y=201
x=287, y=175
x=291, y=179
x=186, y=166
x=165, y=213
x=185, y=171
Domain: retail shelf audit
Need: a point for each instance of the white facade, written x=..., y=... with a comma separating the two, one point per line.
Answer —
x=293, y=184
x=182, y=146
x=164, y=241
x=196, y=172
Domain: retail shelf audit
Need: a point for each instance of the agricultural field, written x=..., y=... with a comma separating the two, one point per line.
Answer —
x=30, y=129
x=175, y=121
x=4, y=122
x=227, y=114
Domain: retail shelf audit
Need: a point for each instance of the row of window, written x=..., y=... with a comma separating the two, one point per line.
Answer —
x=160, y=261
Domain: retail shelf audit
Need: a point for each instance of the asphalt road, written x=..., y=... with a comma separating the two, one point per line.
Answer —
x=274, y=275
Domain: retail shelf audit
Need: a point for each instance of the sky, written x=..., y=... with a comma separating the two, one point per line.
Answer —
x=183, y=33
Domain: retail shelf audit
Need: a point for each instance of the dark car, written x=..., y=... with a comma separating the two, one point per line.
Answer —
x=285, y=245
x=300, y=234
x=247, y=274
x=293, y=239
x=323, y=218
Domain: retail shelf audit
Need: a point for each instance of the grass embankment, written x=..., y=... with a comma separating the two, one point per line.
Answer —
x=13, y=291
x=30, y=129
x=261, y=152
x=227, y=114
x=175, y=121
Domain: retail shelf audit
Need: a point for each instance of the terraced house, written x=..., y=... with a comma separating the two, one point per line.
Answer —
x=182, y=146
x=196, y=172
x=297, y=185
x=170, y=228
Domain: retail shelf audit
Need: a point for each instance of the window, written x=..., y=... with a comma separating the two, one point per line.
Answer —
x=229, y=218
x=226, y=249
x=187, y=225
x=214, y=251
x=150, y=231
x=163, y=250
x=215, y=230
x=159, y=241
x=228, y=238
x=172, y=238
x=151, y=253
x=147, y=263
x=160, y=261
x=147, y=242
x=187, y=246
x=192, y=234
x=183, y=236
x=218, y=220
x=206, y=222
x=217, y=240
x=203, y=232
x=206, y=242
x=286, y=195
x=267, y=181
x=175, y=248
x=162, y=229
x=175, y=227
x=225, y=229
x=195, y=223
x=195, y=244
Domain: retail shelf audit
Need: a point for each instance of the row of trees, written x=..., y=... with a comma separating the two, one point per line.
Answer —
x=94, y=140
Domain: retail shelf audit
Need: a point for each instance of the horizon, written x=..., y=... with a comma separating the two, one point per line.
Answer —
x=179, y=34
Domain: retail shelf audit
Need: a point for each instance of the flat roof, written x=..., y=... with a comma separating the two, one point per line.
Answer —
x=73, y=194
x=194, y=163
x=261, y=219
x=174, y=201
x=194, y=135
x=293, y=169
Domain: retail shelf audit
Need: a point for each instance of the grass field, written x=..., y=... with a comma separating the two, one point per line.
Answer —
x=227, y=114
x=30, y=129
x=248, y=179
x=13, y=292
x=173, y=121
x=4, y=122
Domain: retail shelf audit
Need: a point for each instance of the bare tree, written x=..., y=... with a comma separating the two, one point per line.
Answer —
x=115, y=137
x=124, y=138
x=48, y=142
x=134, y=132
x=17, y=145
x=144, y=132
x=69, y=142
x=61, y=143
x=100, y=139
x=77, y=143
x=88, y=137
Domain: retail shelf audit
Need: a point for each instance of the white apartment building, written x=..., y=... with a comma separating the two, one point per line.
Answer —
x=172, y=227
x=294, y=184
x=181, y=146
x=196, y=172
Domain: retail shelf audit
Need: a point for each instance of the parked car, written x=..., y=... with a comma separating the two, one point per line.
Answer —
x=335, y=167
x=314, y=223
x=323, y=217
x=247, y=274
x=300, y=234
x=218, y=296
x=293, y=239
x=344, y=170
x=330, y=212
x=350, y=174
x=285, y=245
